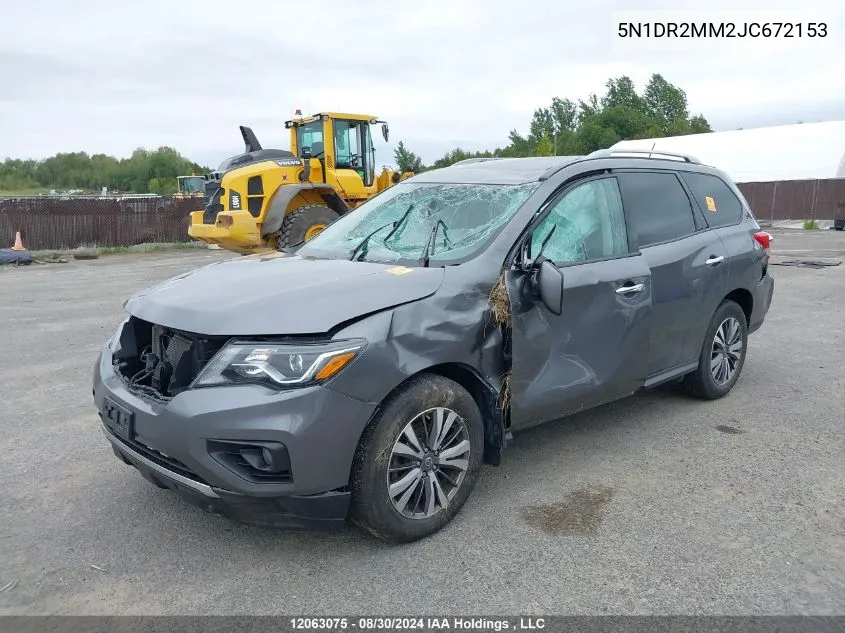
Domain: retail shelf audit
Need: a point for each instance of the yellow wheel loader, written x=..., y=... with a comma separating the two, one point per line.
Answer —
x=189, y=187
x=265, y=199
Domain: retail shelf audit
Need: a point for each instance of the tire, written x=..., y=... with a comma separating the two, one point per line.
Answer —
x=296, y=225
x=711, y=383
x=418, y=401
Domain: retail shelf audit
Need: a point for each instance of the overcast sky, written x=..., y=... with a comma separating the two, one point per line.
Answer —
x=109, y=76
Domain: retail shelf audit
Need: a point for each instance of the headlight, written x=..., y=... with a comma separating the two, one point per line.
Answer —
x=278, y=364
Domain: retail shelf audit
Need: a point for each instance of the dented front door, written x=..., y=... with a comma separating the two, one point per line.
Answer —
x=595, y=351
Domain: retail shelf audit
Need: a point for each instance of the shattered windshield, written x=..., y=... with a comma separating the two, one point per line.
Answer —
x=400, y=222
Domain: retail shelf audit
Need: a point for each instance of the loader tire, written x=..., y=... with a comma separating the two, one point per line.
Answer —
x=303, y=222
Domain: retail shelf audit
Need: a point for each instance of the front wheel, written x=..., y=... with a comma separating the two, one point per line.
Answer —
x=304, y=223
x=722, y=354
x=417, y=461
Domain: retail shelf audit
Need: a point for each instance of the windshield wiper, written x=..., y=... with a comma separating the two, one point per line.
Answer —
x=396, y=224
x=366, y=239
x=399, y=222
x=432, y=238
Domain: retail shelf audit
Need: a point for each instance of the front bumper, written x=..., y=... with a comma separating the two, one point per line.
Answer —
x=322, y=511
x=235, y=231
x=168, y=444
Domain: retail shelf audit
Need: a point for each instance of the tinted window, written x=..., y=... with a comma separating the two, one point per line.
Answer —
x=719, y=203
x=589, y=224
x=657, y=206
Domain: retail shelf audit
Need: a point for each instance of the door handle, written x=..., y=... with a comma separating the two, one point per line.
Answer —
x=715, y=260
x=629, y=290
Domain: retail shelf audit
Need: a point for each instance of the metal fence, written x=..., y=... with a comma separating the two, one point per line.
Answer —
x=49, y=223
x=796, y=199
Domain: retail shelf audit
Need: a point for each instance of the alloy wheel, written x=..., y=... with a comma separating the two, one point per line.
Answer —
x=726, y=351
x=428, y=463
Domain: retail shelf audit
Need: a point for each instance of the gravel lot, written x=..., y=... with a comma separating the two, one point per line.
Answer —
x=656, y=504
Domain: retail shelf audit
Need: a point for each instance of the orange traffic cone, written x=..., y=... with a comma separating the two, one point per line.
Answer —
x=18, y=243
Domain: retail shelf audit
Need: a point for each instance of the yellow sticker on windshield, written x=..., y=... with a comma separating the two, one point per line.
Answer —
x=399, y=270
x=711, y=204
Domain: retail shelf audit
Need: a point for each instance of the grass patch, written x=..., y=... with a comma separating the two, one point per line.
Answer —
x=810, y=225
x=148, y=248
x=51, y=257
x=500, y=304
x=505, y=394
x=85, y=253
x=92, y=251
x=113, y=250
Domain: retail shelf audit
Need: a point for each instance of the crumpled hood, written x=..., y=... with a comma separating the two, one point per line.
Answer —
x=274, y=293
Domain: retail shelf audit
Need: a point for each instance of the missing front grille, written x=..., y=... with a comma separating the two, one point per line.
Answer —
x=163, y=362
x=175, y=361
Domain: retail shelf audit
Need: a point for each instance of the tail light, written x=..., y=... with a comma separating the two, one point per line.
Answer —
x=764, y=240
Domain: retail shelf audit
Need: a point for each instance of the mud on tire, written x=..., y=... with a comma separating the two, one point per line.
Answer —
x=295, y=225
x=372, y=507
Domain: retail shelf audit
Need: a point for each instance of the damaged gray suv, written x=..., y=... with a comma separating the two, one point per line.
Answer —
x=367, y=374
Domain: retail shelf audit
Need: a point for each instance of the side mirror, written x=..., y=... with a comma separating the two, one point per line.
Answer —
x=550, y=286
x=385, y=131
x=305, y=153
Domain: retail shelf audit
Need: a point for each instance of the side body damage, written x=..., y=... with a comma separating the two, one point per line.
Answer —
x=452, y=333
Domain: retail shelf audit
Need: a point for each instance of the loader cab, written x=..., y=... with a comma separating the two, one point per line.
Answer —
x=354, y=149
x=343, y=145
x=190, y=185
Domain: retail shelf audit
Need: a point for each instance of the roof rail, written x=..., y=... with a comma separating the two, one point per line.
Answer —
x=643, y=153
x=466, y=161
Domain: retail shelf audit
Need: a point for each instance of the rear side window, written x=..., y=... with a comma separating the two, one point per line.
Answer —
x=657, y=207
x=720, y=204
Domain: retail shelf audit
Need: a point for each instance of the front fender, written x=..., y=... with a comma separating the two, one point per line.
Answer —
x=451, y=327
x=285, y=194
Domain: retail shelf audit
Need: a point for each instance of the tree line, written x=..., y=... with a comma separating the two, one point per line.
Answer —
x=144, y=172
x=570, y=128
x=565, y=127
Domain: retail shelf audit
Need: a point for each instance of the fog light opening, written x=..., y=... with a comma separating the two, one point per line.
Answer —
x=258, y=461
